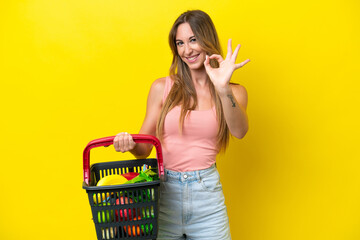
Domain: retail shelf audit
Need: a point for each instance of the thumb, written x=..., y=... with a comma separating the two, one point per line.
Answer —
x=207, y=63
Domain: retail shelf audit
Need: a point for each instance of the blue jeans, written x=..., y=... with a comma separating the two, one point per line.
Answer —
x=192, y=206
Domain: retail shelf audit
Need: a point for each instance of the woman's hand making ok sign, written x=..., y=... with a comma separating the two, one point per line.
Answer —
x=221, y=76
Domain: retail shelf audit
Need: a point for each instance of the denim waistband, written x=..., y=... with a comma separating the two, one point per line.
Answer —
x=189, y=176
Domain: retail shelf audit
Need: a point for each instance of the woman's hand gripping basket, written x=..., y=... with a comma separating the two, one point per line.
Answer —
x=124, y=211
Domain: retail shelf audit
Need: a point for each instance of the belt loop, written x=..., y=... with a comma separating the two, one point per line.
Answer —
x=198, y=176
x=165, y=177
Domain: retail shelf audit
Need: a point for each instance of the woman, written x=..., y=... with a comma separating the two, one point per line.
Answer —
x=193, y=112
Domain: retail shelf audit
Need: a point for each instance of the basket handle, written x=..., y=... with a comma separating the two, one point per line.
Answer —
x=107, y=141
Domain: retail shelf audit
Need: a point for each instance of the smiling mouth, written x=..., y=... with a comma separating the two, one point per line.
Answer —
x=193, y=58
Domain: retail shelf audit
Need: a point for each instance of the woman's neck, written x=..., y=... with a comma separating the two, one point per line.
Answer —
x=199, y=77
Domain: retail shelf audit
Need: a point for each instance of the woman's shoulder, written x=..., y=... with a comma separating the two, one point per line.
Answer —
x=159, y=85
x=162, y=84
x=238, y=88
x=156, y=92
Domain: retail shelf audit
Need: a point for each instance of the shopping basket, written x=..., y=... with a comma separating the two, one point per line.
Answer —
x=127, y=211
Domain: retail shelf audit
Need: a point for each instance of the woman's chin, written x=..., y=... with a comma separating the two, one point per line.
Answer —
x=196, y=66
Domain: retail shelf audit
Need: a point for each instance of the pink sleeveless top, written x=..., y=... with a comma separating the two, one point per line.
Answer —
x=195, y=148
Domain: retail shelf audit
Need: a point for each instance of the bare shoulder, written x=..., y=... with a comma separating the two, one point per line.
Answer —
x=158, y=86
x=153, y=107
x=156, y=92
x=238, y=89
x=240, y=93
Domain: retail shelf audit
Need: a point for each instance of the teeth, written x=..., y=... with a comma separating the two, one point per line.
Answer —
x=192, y=58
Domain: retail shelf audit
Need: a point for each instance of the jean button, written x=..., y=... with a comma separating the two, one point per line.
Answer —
x=185, y=176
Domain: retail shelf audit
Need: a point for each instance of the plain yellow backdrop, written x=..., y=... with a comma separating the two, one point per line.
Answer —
x=74, y=71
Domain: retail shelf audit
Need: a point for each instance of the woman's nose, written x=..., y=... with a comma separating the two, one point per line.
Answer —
x=188, y=49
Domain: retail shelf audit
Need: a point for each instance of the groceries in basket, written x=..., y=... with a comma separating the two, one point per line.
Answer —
x=130, y=231
x=106, y=216
x=124, y=214
x=146, y=175
x=109, y=233
x=133, y=230
x=130, y=175
x=130, y=215
x=112, y=180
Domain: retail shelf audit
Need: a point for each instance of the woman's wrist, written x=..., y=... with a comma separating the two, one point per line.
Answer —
x=224, y=91
x=141, y=150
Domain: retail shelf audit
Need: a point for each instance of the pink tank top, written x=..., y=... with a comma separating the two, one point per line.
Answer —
x=195, y=148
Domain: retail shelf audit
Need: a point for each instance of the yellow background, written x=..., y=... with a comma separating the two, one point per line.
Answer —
x=74, y=71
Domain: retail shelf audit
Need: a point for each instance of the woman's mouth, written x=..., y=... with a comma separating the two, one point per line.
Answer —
x=192, y=58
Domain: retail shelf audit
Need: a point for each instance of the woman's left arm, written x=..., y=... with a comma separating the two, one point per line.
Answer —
x=233, y=97
x=234, y=103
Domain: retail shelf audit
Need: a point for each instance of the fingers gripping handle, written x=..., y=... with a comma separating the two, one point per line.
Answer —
x=107, y=141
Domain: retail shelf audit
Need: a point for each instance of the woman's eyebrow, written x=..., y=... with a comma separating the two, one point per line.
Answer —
x=178, y=40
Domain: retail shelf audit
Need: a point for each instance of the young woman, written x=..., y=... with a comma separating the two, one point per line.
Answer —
x=193, y=112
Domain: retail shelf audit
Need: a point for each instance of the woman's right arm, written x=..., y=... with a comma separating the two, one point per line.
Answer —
x=123, y=142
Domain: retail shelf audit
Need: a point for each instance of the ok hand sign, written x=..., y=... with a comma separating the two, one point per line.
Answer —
x=221, y=76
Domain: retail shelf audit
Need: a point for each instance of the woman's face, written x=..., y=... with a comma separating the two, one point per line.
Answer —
x=188, y=48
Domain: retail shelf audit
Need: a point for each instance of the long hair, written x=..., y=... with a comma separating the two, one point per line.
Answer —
x=183, y=90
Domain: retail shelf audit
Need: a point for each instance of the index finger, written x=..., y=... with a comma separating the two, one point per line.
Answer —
x=234, y=56
x=239, y=65
x=116, y=143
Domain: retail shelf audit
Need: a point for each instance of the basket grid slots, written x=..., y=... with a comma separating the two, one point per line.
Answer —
x=118, y=171
x=122, y=214
x=127, y=211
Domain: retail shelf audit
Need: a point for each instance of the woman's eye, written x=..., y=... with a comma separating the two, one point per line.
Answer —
x=193, y=40
x=179, y=43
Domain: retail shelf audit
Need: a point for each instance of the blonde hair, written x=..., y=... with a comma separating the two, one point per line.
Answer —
x=183, y=89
